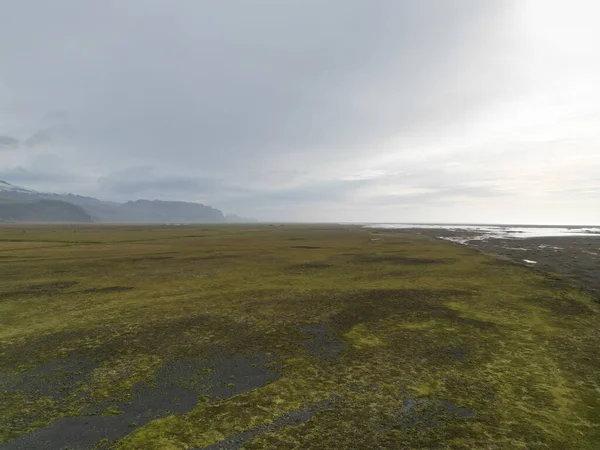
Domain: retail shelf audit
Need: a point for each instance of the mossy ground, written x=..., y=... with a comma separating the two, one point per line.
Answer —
x=414, y=343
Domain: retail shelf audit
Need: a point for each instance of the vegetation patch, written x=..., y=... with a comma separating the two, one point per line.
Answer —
x=361, y=338
x=232, y=338
x=562, y=303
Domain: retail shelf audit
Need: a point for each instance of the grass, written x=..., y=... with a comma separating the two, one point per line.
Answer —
x=433, y=345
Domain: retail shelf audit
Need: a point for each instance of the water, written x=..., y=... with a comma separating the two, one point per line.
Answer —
x=483, y=232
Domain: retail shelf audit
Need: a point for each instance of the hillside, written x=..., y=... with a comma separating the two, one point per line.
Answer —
x=146, y=211
x=43, y=211
x=139, y=211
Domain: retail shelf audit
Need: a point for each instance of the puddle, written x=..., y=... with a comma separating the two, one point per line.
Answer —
x=178, y=385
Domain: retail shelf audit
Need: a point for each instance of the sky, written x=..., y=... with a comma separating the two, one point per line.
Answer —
x=309, y=110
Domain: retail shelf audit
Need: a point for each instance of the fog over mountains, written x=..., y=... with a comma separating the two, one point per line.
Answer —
x=21, y=205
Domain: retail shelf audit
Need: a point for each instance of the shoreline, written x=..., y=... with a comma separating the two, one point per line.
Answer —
x=574, y=258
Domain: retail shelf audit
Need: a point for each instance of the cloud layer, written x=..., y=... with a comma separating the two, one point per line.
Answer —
x=346, y=110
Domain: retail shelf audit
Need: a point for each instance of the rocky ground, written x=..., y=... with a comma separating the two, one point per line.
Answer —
x=576, y=258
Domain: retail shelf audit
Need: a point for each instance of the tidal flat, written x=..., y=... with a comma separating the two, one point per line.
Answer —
x=294, y=336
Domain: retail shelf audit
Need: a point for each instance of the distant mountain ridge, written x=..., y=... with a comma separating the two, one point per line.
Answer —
x=43, y=211
x=18, y=204
x=7, y=187
x=162, y=211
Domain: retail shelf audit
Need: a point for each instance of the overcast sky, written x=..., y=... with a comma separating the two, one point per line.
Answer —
x=328, y=110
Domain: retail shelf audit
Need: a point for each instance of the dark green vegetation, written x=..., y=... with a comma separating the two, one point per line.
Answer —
x=287, y=337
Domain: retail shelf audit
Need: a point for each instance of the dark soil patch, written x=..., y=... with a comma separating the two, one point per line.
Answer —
x=401, y=259
x=54, y=287
x=107, y=289
x=167, y=337
x=50, y=379
x=574, y=257
x=380, y=275
x=150, y=258
x=372, y=305
x=321, y=341
x=209, y=257
x=291, y=418
x=455, y=354
x=421, y=413
x=309, y=247
x=309, y=266
x=178, y=386
x=481, y=324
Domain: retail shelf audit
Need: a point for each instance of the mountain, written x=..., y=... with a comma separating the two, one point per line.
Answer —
x=234, y=218
x=45, y=211
x=7, y=187
x=146, y=211
x=139, y=211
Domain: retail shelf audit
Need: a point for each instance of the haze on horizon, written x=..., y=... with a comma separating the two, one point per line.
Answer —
x=305, y=110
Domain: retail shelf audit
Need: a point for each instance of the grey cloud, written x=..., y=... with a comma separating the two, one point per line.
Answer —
x=327, y=191
x=231, y=86
x=162, y=186
x=149, y=183
x=254, y=105
x=40, y=137
x=344, y=192
x=144, y=182
x=8, y=143
x=589, y=191
x=38, y=178
x=45, y=170
x=442, y=196
x=57, y=116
